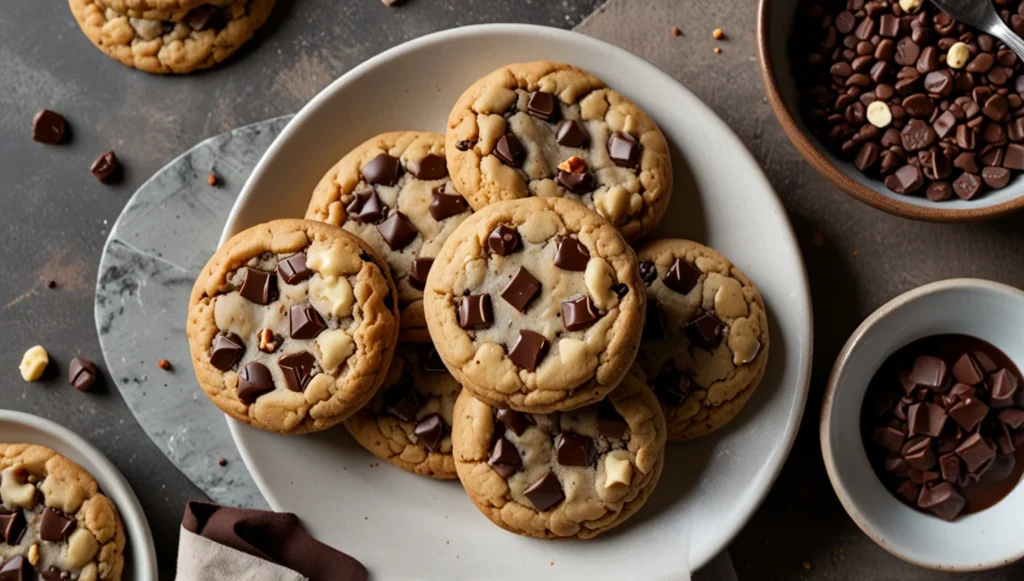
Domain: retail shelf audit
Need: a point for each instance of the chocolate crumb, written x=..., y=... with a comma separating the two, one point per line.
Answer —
x=223, y=462
x=718, y=50
x=676, y=32
x=51, y=284
x=164, y=364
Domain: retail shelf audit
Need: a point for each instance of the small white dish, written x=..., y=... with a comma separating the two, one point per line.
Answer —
x=407, y=527
x=991, y=538
x=140, y=554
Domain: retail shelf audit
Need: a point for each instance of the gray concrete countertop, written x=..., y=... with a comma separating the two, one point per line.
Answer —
x=54, y=217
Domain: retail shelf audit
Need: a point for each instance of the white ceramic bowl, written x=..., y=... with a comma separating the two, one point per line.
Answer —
x=984, y=540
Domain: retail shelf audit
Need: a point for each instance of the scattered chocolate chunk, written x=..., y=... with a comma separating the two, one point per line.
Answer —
x=705, y=331
x=397, y=231
x=18, y=569
x=572, y=449
x=12, y=526
x=623, y=149
x=928, y=372
x=654, y=327
x=672, y=387
x=475, y=312
x=444, y=205
x=682, y=276
x=1002, y=387
x=545, y=493
x=579, y=313
x=529, y=349
x=304, y=322
x=969, y=412
x=429, y=431
x=366, y=207
x=298, y=369
x=648, y=272
x=48, y=127
x=418, y=271
x=259, y=286
x=433, y=363
x=522, y=289
x=577, y=183
x=55, y=526
x=609, y=421
x=226, y=350
x=571, y=254
x=513, y=420
x=543, y=106
x=926, y=419
x=431, y=167
x=509, y=150
x=504, y=458
x=206, y=17
x=503, y=240
x=106, y=168
x=967, y=371
x=572, y=133
x=402, y=402
x=293, y=269
x=383, y=170
x=254, y=380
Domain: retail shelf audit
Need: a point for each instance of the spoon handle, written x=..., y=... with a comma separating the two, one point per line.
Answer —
x=1000, y=30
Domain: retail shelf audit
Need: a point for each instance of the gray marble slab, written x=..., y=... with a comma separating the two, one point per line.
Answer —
x=155, y=250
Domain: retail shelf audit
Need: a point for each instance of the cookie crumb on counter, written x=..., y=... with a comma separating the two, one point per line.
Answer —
x=164, y=364
x=213, y=180
x=718, y=34
x=718, y=50
x=33, y=363
x=676, y=32
x=807, y=565
x=223, y=462
x=51, y=284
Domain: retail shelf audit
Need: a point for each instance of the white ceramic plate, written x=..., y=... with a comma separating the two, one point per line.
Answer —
x=140, y=555
x=403, y=526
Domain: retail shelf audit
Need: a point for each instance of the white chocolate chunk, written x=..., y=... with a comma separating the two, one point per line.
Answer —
x=88, y=573
x=14, y=490
x=332, y=262
x=879, y=114
x=82, y=546
x=331, y=296
x=613, y=203
x=492, y=127
x=335, y=347
x=33, y=363
x=572, y=351
x=617, y=471
x=911, y=6
x=598, y=278
x=33, y=554
x=958, y=55
x=147, y=29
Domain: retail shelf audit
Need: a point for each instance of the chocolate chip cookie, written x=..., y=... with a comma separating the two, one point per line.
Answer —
x=705, y=340
x=409, y=421
x=292, y=325
x=574, y=473
x=553, y=130
x=536, y=305
x=177, y=42
x=55, y=522
x=393, y=191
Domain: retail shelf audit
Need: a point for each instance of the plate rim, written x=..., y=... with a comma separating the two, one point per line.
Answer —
x=803, y=359
x=112, y=483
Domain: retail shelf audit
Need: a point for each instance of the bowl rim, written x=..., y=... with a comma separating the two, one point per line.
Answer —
x=832, y=386
x=838, y=177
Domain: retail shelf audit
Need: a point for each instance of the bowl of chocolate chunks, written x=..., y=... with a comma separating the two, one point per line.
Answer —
x=898, y=104
x=922, y=426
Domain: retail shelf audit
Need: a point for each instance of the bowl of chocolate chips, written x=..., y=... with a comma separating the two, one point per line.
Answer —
x=898, y=104
x=922, y=426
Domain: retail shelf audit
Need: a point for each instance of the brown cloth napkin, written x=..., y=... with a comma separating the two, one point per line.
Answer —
x=236, y=544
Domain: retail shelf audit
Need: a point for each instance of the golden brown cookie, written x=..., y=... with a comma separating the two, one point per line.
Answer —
x=55, y=520
x=550, y=129
x=536, y=304
x=409, y=421
x=292, y=325
x=705, y=341
x=575, y=473
x=393, y=192
x=172, y=10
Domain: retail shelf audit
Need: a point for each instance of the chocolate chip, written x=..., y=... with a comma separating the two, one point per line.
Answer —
x=206, y=17
x=1002, y=386
x=12, y=526
x=504, y=458
x=509, y=150
x=1014, y=157
x=889, y=438
x=939, y=191
x=623, y=149
x=304, y=322
x=906, y=180
x=513, y=420
x=106, y=168
x=620, y=289
x=503, y=240
x=82, y=373
x=648, y=272
x=55, y=525
x=1013, y=417
x=969, y=412
x=522, y=289
x=919, y=454
x=571, y=254
x=705, y=331
x=572, y=449
x=995, y=177
x=382, y=170
x=48, y=127
x=225, y=351
x=17, y=569
x=928, y=372
x=475, y=312
x=545, y=493
x=672, y=387
x=293, y=269
x=577, y=183
x=418, y=271
x=445, y=205
x=609, y=422
x=682, y=276
x=579, y=313
x=654, y=327
x=917, y=135
x=949, y=465
x=967, y=186
x=298, y=369
x=397, y=231
x=465, y=145
x=572, y=133
x=967, y=371
x=366, y=207
x=429, y=431
x=918, y=105
x=543, y=106
x=926, y=419
x=254, y=380
x=402, y=402
x=975, y=451
x=908, y=491
x=942, y=500
x=530, y=347
x=431, y=167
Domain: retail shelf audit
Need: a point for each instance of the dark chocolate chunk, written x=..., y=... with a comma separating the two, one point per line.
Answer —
x=543, y=106
x=226, y=350
x=106, y=168
x=433, y=363
x=648, y=272
x=382, y=170
x=293, y=269
x=969, y=412
x=572, y=449
x=48, y=127
x=572, y=133
x=206, y=17
x=950, y=466
x=1013, y=417
x=465, y=145
x=610, y=423
x=259, y=286
x=254, y=380
x=429, y=432
x=504, y=458
x=503, y=240
x=623, y=149
x=529, y=349
x=897, y=466
x=12, y=525
x=577, y=183
x=995, y=177
x=1002, y=386
x=475, y=312
x=397, y=231
x=1014, y=157
x=654, y=327
x=298, y=369
x=908, y=491
x=985, y=362
x=906, y=382
x=18, y=569
x=402, y=402
x=304, y=322
x=889, y=438
x=513, y=420
x=522, y=289
x=418, y=271
x=620, y=289
x=918, y=453
x=366, y=207
x=967, y=186
x=967, y=371
x=55, y=526
x=545, y=493
x=705, y=331
x=672, y=387
x=928, y=372
x=431, y=167
x=445, y=205
x=917, y=134
x=509, y=151
x=975, y=451
x=571, y=254
x=925, y=419
x=942, y=500
x=579, y=313
x=82, y=373
x=682, y=276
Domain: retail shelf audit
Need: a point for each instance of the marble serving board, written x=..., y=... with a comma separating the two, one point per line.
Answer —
x=155, y=250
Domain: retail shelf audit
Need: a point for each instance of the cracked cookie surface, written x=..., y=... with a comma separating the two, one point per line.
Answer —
x=292, y=325
x=536, y=304
x=393, y=191
x=171, y=42
x=705, y=341
x=408, y=423
x=553, y=130
x=54, y=519
x=568, y=474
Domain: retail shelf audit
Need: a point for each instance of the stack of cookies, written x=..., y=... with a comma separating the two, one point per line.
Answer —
x=170, y=36
x=471, y=307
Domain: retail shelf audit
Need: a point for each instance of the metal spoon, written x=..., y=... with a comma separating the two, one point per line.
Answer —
x=981, y=14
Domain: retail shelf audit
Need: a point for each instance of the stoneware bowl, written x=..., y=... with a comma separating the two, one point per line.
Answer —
x=774, y=26
x=984, y=540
